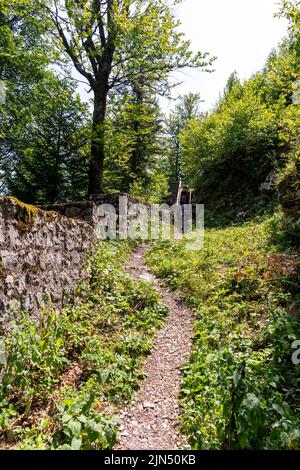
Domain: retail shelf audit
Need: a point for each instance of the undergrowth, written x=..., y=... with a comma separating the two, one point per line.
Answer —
x=67, y=374
x=240, y=388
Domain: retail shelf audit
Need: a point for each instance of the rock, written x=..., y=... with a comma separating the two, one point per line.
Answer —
x=242, y=215
x=11, y=436
x=147, y=404
x=42, y=250
x=270, y=182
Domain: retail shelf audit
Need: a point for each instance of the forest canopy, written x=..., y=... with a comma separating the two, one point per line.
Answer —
x=55, y=147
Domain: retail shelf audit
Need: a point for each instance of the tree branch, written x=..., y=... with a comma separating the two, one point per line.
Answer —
x=68, y=48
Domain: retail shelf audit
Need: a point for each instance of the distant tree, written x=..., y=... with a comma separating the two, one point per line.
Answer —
x=134, y=141
x=291, y=10
x=232, y=82
x=44, y=154
x=23, y=61
x=185, y=110
x=275, y=82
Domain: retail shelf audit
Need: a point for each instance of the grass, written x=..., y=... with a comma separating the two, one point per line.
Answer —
x=67, y=374
x=240, y=388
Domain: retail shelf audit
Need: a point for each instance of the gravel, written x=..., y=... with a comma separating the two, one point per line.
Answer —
x=151, y=421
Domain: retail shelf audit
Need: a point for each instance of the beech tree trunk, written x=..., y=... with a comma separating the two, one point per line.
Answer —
x=97, y=142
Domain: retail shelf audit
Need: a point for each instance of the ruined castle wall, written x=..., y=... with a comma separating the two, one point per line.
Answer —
x=42, y=256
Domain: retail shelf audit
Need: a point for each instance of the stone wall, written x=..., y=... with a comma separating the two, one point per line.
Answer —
x=82, y=210
x=92, y=211
x=42, y=249
x=42, y=255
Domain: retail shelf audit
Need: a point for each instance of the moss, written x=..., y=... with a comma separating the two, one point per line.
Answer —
x=2, y=270
x=30, y=269
x=50, y=215
x=25, y=213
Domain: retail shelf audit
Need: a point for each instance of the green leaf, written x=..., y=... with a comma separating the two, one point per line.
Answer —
x=76, y=444
x=66, y=418
x=278, y=408
x=65, y=447
x=236, y=378
x=74, y=427
x=252, y=401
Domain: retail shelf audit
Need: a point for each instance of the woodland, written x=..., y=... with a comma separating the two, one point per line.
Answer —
x=81, y=87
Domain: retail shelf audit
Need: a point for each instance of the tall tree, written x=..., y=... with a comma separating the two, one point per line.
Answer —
x=229, y=154
x=291, y=10
x=24, y=51
x=43, y=156
x=134, y=141
x=112, y=42
x=185, y=110
x=23, y=60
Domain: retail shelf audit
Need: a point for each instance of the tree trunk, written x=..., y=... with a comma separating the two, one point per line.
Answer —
x=137, y=153
x=177, y=161
x=54, y=192
x=97, y=143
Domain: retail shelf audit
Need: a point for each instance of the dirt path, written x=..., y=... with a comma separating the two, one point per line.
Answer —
x=151, y=421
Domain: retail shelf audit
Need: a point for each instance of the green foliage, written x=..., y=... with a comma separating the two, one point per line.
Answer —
x=113, y=44
x=134, y=144
x=240, y=386
x=155, y=190
x=43, y=125
x=288, y=181
x=36, y=357
x=24, y=50
x=124, y=52
x=233, y=146
x=291, y=10
x=44, y=154
x=24, y=55
x=227, y=155
x=82, y=427
x=105, y=335
x=186, y=109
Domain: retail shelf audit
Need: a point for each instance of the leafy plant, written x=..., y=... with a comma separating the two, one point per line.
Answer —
x=83, y=428
x=93, y=348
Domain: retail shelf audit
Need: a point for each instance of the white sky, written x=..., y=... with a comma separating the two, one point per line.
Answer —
x=241, y=33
